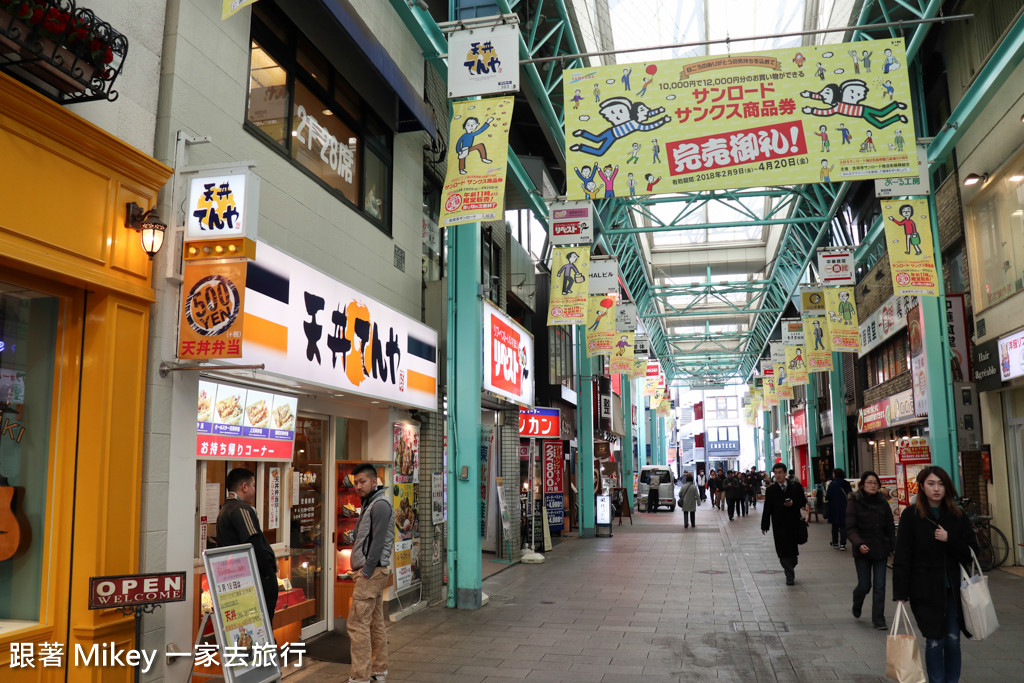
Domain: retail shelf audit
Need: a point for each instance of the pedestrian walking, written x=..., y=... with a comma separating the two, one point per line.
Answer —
x=652, y=492
x=835, y=499
x=688, y=494
x=702, y=485
x=781, y=512
x=733, y=493
x=713, y=488
x=934, y=540
x=871, y=532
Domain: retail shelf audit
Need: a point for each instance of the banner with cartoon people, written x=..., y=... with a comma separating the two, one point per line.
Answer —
x=817, y=344
x=908, y=239
x=601, y=335
x=622, y=355
x=806, y=114
x=796, y=365
x=783, y=383
x=474, y=186
x=570, y=272
x=638, y=368
x=843, y=323
x=771, y=399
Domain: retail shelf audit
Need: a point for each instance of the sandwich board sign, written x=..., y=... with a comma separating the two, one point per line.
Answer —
x=245, y=634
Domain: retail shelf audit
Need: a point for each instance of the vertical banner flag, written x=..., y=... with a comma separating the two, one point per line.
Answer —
x=638, y=368
x=483, y=62
x=474, y=187
x=622, y=358
x=805, y=114
x=783, y=384
x=793, y=338
x=908, y=239
x=756, y=397
x=771, y=399
x=918, y=358
x=600, y=325
x=570, y=268
x=843, y=324
x=818, y=347
x=652, y=378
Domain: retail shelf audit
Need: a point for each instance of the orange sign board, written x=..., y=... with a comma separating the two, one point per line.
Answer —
x=213, y=297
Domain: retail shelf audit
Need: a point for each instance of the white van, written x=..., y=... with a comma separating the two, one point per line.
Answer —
x=666, y=487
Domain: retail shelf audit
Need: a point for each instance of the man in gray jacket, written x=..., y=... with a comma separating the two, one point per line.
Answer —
x=371, y=565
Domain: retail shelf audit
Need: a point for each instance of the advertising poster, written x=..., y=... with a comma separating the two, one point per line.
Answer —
x=212, y=301
x=570, y=268
x=436, y=498
x=783, y=383
x=406, y=452
x=918, y=359
x=554, y=484
x=571, y=223
x=888, y=490
x=508, y=357
x=233, y=423
x=600, y=335
x=274, y=498
x=237, y=605
x=407, y=531
x=818, y=344
x=796, y=366
x=806, y=114
x=483, y=62
x=474, y=187
x=770, y=398
x=843, y=325
x=622, y=356
x=638, y=368
x=908, y=239
x=1011, y=356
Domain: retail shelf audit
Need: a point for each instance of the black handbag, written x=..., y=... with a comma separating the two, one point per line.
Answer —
x=801, y=532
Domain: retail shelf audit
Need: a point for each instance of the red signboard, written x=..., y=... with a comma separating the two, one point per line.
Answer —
x=539, y=422
x=553, y=458
x=698, y=410
x=798, y=428
x=913, y=451
x=506, y=371
x=135, y=589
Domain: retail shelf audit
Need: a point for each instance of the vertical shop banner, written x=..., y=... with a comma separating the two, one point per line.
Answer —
x=908, y=239
x=601, y=335
x=843, y=325
x=783, y=383
x=638, y=368
x=622, y=357
x=554, y=484
x=918, y=358
x=212, y=301
x=570, y=270
x=643, y=346
x=771, y=398
x=474, y=187
x=956, y=323
x=806, y=114
x=571, y=223
x=406, y=452
x=796, y=366
x=483, y=62
x=819, y=345
x=508, y=357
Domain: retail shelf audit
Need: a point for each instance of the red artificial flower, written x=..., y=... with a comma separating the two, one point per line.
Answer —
x=78, y=33
x=56, y=21
x=24, y=11
x=37, y=16
x=108, y=56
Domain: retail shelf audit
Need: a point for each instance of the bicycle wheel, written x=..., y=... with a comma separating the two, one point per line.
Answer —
x=1000, y=546
x=986, y=553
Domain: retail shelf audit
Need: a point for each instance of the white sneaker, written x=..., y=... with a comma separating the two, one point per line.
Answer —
x=379, y=677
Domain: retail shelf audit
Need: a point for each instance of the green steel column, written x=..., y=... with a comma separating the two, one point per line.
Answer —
x=465, y=324
x=663, y=431
x=785, y=445
x=767, y=433
x=811, y=424
x=627, y=439
x=837, y=389
x=941, y=410
x=585, y=437
x=655, y=438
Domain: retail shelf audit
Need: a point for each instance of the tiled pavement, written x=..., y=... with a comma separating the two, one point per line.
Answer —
x=657, y=603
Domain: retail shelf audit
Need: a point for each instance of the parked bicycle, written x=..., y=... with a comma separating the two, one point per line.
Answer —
x=992, y=544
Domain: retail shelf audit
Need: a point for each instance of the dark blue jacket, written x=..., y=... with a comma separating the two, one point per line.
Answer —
x=836, y=495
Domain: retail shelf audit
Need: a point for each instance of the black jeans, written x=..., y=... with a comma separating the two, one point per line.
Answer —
x=652, y=500
x=269, y=585
x=838, y=534
x=871, y=577
x=689, y=518
x=733, y=505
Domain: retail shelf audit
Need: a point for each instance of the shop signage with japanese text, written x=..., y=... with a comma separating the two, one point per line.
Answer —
x=910, y=186
x=304, y=325
x=508, y=357
x=625, y=317
x=212, y=307
x=553, y=467
x=483, y=62
x=889, y=412
x=885, y=321
x=222, y=206
x=986, y=366
x=539, y=422
x=233, y=423
x=474, y=186
x=571, y=223
x=836, y=267
x=1011, y=356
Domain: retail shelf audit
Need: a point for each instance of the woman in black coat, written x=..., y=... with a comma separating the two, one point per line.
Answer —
x=934, y=539
x=783, y=501
x=871, y=532
x=835, y=498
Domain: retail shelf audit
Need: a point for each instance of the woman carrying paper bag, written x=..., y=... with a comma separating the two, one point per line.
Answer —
x=934, y=541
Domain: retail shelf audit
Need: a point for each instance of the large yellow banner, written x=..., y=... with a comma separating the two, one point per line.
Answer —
x=570, y=268
x=783, y=383
x=818, y=344
x=770, y=398
x=474, y=186
x=843, y=323
x=638, y=368
x=806, y=114
x=796, y=366
x=622, y=358
x=911, y=251
x=600, y=325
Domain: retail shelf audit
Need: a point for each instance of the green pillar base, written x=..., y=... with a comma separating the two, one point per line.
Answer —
x=469, y=598
x=588, y=532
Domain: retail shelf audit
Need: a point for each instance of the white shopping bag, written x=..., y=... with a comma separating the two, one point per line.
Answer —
x=903, y=662
x=979, y=612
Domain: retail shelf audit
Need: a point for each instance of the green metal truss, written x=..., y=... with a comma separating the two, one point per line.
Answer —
x=808, y=213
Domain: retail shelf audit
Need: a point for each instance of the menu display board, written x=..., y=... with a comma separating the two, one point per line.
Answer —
x=233, y=423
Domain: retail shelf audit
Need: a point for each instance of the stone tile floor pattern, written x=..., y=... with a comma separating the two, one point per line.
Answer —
x=644, y=607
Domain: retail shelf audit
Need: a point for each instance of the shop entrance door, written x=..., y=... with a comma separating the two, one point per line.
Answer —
x=1015, y=460
x=311, y=566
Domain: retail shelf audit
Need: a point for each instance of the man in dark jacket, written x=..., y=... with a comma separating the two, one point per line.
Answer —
x=733, y=493
x=237, y=523
x=835, y=498
x=781, y=512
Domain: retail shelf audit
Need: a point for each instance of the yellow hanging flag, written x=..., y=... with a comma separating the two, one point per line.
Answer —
x=843, y=323
x=570, y=272
x=911, y=251
x=228, y=8
x=600, y=325
x=622, y=356
x=818, y=344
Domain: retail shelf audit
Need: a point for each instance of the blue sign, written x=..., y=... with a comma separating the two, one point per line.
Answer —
x=554, y=502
